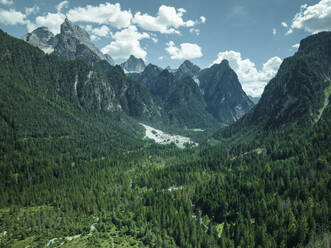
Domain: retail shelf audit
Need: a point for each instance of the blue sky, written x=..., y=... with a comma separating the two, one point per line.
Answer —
x=254, y=35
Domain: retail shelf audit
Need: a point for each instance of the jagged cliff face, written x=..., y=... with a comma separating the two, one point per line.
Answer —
x=104, y=87
x=72, y=43
x=133, y=65
x=42, y=38
x=300, y=91
x=185, y=97
x=187, y=68
x=215, y=94
x=297, y=95
x=223, y=93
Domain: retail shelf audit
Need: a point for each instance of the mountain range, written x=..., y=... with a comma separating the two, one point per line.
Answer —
x=163, y=97
x=189, y=97
x=78, y=169
x=299, y=93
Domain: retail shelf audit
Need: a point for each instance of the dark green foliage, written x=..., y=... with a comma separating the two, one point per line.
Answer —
x=70, y=169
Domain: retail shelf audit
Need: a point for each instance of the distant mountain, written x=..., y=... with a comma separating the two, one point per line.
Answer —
x=215, y=93
x=300, y=91
x=255, y=100
x=42, y=96
x=187, y=68
x=179, y=100
x=186, y=97
x=133, y=64
x=71, y=43
x=123, y=94
x=223, y=94
x=146, y=77
x=42, y=38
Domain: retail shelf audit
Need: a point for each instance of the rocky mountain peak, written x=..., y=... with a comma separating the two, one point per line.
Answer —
x=73, y=42
x=187, y=68
x=133, y=64
x=223, y=93
x=74, y=31
x=42, y=38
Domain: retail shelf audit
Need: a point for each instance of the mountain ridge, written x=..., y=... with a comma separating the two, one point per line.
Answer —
x=299, y=92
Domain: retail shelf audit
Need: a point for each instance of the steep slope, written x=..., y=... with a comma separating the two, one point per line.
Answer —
x=146, y=77
x=187, y=68
x=42, y=38
x=42, y=96
x=134, y=99
x=118, y=94
x=300, y=91
x=133, y=64
x=71, y=43
x=180, y=100
x=223, y=94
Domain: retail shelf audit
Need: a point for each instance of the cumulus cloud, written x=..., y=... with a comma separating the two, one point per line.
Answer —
x=33, y=10
x=167, y=20
x=195, y=31
x=62, y=5
x=104, y=13
x=284, y=24
x=253, y=80
x=7, y=2
x=296, y=46
x=185, y=51
x=102, y=31
x=314, y=18
x=203, y=19
x=52, y=21
x=12, y=17
x=274, y=31
x=127, y=42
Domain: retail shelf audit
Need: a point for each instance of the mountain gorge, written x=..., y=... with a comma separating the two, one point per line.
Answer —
x=300, y=91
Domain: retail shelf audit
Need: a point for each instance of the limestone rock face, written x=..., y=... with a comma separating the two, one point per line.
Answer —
x=187, y=69
x=42, y=38
x=223, y=93
x=133, y=65
x=71, y=43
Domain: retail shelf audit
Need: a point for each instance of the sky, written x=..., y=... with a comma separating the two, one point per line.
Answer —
x=254, y=35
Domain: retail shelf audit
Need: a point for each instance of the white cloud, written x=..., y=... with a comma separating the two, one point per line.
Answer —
x=52, y=21
x=62, y=5
x=101, y=31
x=126, y=42
x=253, y=80
x=7, y=2
x=202, y=19
x=104, y=13
x=290, y=31
x=274, y=31
x=161, y=58
x=12, y=17
x=195, y=30
x=185, y=51
x=167, y=21
x=296, y=46
x=284, y=24
x=314, y=18
x=33, y=10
